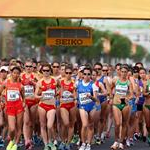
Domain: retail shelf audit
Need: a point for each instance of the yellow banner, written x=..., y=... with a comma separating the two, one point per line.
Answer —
x=137, y=9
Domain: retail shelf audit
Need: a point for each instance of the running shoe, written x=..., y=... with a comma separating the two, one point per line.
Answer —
x=46, y=147
x=97, y=140
x=67, y=147
x=14, y=147
x=128, y=142
x=136, y=136
x=55, y=143
x=131, y=141
x=75, y=139
x=1, y=142
x=36, y=140
x=115, y=146
x=88, y=147
x=78, y=142
x=103, y=136
x=83, y=146
x=10, y=145
x=148, y=140
x=21, y=143
x=52, y=146
x=61, y=146
x=121, y=146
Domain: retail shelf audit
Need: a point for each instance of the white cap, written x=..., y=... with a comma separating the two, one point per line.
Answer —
x=4, y=68
x=81, y=68
x=75, y=65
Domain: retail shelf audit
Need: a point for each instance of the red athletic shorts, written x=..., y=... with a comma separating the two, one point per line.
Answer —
x=14, y=108
x=67, y=106
x=30, y=102
x=47, y=107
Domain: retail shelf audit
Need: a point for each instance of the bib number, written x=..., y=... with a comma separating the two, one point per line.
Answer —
x=48, y=95
x=84, y=99
x=29, y=91
x=121, y=90
x=13, y=95
x=67, y=96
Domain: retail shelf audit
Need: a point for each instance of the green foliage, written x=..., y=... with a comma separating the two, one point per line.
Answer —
x=34, y=30
x=93, y=51
x=140, y=53
x=148, y=57
x=120, y=46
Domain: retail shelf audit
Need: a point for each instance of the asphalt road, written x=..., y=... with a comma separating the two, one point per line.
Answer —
x=139, y=145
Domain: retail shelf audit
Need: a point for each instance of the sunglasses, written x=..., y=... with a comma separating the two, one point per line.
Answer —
x=87, y=74
x=28, y=66
x=46, y=70
x=105, y=70
x=3, y=71
x=68, y=72
x=55, y=66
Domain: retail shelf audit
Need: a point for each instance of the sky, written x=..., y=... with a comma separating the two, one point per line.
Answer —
x=104, y=23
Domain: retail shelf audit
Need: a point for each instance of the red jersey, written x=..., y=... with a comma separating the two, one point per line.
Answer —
x=27, y=81
x=67, y=91
x=13, y=91
x=29, y=86
x=48, y=89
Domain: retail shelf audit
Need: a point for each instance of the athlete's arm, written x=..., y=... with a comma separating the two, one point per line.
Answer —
x=107, y=86
x=2, y=87
x=146, y=93
x=112, y=90
x=94, y=96
x=38, y=90
x=130, y=95
x=104, y=91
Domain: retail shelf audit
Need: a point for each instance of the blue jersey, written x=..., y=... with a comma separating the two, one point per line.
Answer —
x=82, y=91
x=102, y=98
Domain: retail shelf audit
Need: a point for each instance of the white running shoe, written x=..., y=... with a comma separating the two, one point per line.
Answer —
x=78, y=142
x=103, y=136
x=131, y=141
x=115, y=145
x=121, y=146
x=88, y=147
x=83, y=146
x=128, y=143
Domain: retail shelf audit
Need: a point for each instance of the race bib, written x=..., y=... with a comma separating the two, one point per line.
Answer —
x=49, y=94
x=67, y=96
x=29, y=90
x=13, y=95
x=84, y=99
x=121, y=89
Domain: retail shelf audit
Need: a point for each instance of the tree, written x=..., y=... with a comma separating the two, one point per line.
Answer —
x=34, y=30
x=120, y=46
x=140, y=53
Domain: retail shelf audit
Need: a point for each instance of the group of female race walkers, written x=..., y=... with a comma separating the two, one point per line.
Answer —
x=63, y=103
